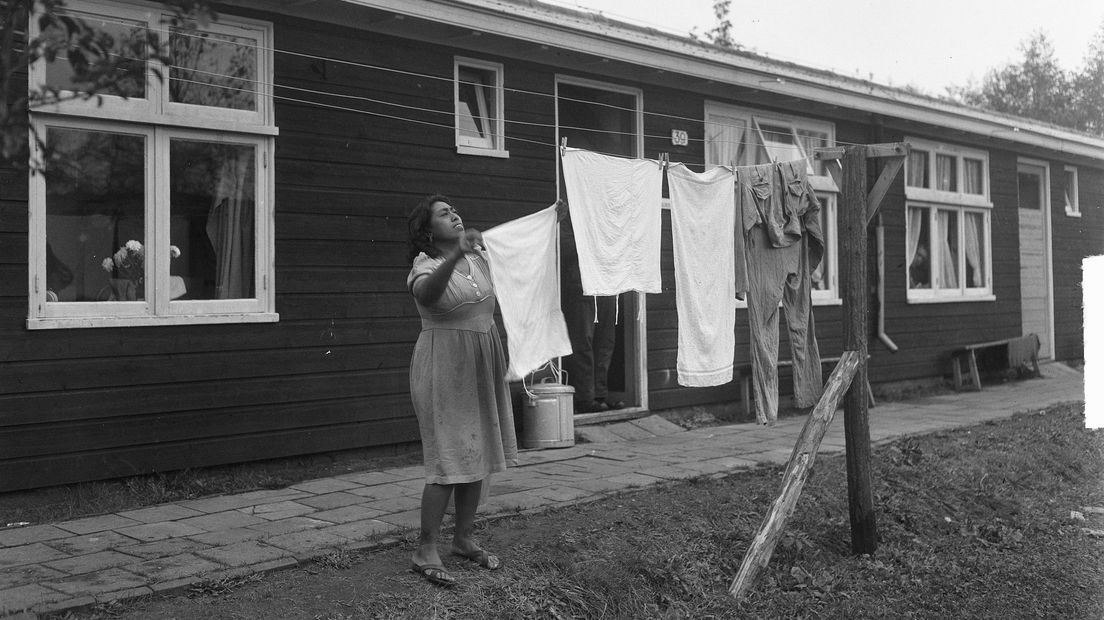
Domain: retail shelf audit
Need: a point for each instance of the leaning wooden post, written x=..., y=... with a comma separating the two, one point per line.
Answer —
x=853, y=285
x=801, y=463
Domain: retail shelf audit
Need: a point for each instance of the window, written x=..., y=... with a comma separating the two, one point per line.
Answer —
x=947, y=223
x=1073, y=206
x=156, y=208
x=743, y=137
x=479, y=108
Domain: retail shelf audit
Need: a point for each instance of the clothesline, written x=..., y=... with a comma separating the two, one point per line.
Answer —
x=418, y=75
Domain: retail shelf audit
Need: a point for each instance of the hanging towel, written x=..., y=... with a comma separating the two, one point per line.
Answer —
x=703, y=228
x=615, y=211
x=522, y=254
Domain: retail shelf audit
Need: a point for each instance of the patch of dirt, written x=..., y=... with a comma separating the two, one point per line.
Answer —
x=972, y=523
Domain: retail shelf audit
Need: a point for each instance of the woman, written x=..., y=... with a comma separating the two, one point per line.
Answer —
x=457, y=381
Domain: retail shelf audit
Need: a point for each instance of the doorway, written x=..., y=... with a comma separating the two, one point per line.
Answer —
x=1036, y=285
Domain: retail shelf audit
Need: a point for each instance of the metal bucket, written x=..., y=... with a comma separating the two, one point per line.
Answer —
x=547, y=417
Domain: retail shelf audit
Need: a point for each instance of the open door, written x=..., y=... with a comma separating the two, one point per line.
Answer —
x=604, y=119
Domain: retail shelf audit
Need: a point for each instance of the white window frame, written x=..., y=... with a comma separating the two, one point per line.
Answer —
x=957, y=196
x=959, y=202
x=1072, y=198
x=824, y=185
x=941, y=294
x=495, y=144
x=159, y=121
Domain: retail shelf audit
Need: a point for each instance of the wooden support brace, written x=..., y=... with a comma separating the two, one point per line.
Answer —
x=889, y=149
x=885, y=179
x=797, y=472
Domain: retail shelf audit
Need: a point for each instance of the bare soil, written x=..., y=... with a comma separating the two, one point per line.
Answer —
x=985, y=522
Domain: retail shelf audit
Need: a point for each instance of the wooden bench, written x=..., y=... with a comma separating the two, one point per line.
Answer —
x=1021, y=350
x=745, y=381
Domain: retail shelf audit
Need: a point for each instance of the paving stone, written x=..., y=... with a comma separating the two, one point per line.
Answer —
x=360, y=530
x=348, y=513
x=30, y=534
x=98, y=582
x=408, y=520
x=382, y=491
x=291, y=524
x=332, y=500
x=514, y=501
x=173, y=567
x=80, y=545
x=118, y=595
x=657, y=425
x=634, y=480
x=597, y=486
x=306, y=541
x=164, y=548
x=227, y=537
x=325, y=485
x=225, y=520
x=156, y=514
x=23, y=575
x=101, y=523
x=160, y=531
x=395, y=504
x=595, y=434
x=36, y=553
x=26, y=597
x=671, y=472
x=245, y=553
x=92, y=562
x=370, y=478
x=560, y=493
x=278, y=510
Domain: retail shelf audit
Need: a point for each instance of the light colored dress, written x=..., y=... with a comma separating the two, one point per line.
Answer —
x=457, y=379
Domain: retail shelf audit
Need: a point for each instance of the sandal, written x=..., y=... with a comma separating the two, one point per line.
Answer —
x=434, y=573
x=480, y=557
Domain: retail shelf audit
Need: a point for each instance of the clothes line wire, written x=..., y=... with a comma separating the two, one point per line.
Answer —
x=432, y=77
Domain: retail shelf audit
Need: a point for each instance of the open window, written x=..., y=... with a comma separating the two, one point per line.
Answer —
x=480, y=128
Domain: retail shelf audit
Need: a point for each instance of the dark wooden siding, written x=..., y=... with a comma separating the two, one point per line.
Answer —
x=1073, y=239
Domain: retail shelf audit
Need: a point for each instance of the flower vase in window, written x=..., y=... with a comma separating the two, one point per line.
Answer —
x=127, y=269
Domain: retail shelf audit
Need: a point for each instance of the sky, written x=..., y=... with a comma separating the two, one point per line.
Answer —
x=929, y=45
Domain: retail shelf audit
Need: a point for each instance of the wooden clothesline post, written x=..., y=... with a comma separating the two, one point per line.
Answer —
x=857, y=209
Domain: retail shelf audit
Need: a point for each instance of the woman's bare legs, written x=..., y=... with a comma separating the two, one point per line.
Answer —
x=435, y=499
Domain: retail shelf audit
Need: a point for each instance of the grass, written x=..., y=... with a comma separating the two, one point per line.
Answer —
x=973, y=523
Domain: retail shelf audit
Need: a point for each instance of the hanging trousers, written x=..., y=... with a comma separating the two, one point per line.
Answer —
x=780, y=275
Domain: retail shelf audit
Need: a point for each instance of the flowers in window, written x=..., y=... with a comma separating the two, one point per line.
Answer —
x=128, y=269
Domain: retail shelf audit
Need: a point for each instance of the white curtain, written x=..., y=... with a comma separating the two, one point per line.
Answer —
x=974, y=222
x=916, y=221
x=724, y=139
x=974, y=177
x=948, y=269
x=945, y=173
x=918, y=169
x=230, y=225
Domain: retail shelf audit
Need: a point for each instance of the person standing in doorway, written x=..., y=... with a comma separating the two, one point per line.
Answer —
x=592, y=341
x=457, y=381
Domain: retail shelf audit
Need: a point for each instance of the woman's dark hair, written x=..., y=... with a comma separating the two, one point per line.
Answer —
x=419, y=238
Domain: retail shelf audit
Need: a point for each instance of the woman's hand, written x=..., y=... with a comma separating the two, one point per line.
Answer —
x=562, y=212
x=471, y=241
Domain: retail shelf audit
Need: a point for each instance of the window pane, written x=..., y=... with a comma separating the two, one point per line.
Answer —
x=126, y=38
x=213, y=70
x=212, y=219
x=976, y=252
x=822, y=275
x=948, y=249
x=919, y=248
x=945, y=173
x=974, y=183
x=1031, y=190
x=779, y=144
x=95, y=211
x=598, y=120
x=918, y=169
x=476, y=106
x=724, y=141
x=1070, y=193
x=810, y=141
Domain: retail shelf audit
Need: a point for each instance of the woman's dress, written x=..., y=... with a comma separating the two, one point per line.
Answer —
x=457, y=378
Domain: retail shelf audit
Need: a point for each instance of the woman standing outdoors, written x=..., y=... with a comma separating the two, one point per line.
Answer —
x=457, y=381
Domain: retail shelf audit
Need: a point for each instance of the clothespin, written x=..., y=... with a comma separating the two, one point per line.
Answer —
x=563, y=146
x=664, y=160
